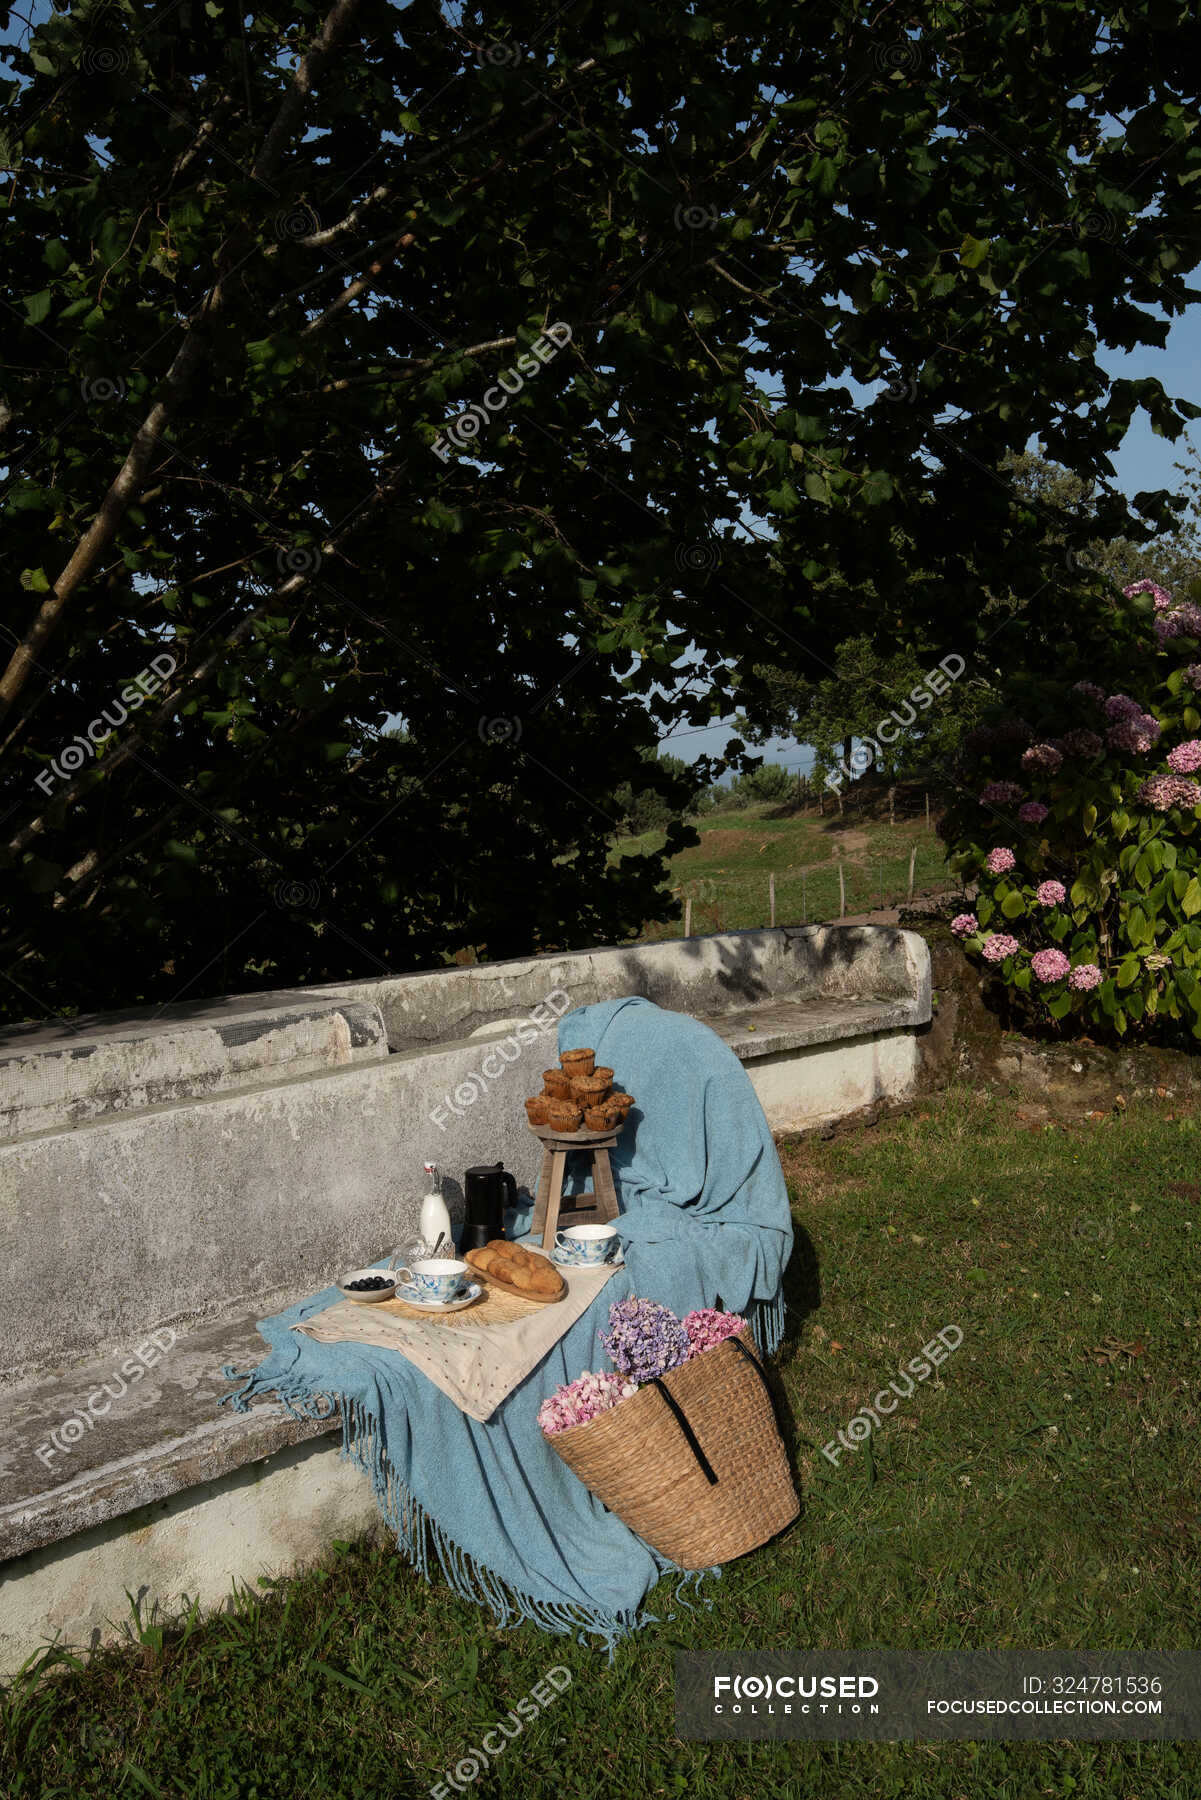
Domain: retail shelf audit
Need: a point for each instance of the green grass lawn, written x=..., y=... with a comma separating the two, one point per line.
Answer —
x=726, y=874
x=1041, y=1492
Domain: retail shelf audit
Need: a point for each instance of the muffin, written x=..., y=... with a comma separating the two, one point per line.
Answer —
x=535, y=1109
x=603, y=1075
x=563, y=1115
x=578, y=1062
x=556, y=1083
x=621, y=1103
x=589, y=1090
x=599, y=1118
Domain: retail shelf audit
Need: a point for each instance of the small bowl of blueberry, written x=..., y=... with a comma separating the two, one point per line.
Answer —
x=368, y=1286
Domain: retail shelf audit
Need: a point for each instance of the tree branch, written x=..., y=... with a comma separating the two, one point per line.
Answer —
x=187, y=360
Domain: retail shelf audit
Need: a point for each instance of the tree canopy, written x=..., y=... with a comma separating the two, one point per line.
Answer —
x=533, y=377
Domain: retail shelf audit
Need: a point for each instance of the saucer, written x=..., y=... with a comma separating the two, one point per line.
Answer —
x=564, y=1262
x=414, y=1297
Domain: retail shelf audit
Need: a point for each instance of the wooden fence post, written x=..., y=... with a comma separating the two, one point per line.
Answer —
x=927, y=812
x=842, y=894
x=688, y=915
x=771, y=895
x=804, y=898
x=912, y=862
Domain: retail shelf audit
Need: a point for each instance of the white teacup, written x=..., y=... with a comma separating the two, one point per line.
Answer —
x=586, y=1246
x=437, y=1277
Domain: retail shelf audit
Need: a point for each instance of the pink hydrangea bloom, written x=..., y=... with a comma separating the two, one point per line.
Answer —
x=1081, y=743
x=1032, y=813
x=1181, y=621
x=1192, y=675
x=998, y=946
x=1088, y=690
x=1043, y=757
x=1050, y=893
x=1121, y=706
x=1136, y=734
x=1000, y=860
x=963, y=924
x=1084, y=976
x=1000, y=793
x=1050, y=965
x=1160, y=595
x=1185, y=759
x=582, y=1399
x=1164, y=791
x=708, y=1327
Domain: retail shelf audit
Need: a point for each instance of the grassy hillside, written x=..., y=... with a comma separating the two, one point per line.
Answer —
x=726, y=875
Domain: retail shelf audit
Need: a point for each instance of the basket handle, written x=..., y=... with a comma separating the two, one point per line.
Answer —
x=735, y=1339
x=693, y=1441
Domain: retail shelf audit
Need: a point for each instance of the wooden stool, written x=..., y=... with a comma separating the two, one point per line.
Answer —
x=596, y=1206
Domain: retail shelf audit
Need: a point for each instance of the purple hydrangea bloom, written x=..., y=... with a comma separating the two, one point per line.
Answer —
x=1084, y=976
x=1050, y=893
x=1192, y=675
x=1088, y=690
x=1032, y=813
x=1000, y=860
x=1121, y=706
x=1043, y=757
x=1000, y=793
x=644, y=1339
x=1137, y=734
x=1082, y=743
x=1160, y=595
x=1181, y=621
x=963, y=924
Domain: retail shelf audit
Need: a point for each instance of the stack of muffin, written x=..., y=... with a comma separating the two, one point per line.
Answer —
x=578, y=1094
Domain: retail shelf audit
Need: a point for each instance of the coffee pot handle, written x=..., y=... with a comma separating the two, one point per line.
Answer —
x=508, y=1187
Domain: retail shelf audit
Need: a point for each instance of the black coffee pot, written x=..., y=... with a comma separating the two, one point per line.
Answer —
x=486, y=1190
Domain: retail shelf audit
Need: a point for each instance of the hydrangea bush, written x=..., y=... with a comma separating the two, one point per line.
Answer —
x=1078, y=819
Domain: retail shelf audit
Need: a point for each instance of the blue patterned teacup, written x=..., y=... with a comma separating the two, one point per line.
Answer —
x=586, y=1246
x=439, y=1278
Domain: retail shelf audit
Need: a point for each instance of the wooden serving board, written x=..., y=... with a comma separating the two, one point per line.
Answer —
x=507, y=1287
x=600, y=1139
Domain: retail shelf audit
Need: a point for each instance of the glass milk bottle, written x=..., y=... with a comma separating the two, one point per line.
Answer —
x=434, y=1221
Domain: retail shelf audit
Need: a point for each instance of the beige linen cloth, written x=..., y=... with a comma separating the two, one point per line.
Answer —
x=477, y=1356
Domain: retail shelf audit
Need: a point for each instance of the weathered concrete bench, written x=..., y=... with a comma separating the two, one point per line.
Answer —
x=167, y=1178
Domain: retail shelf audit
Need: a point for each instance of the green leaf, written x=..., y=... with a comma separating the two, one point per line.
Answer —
x=1013, y=905
x=37, y=306
x=973, y=251
x=1128, y=973
x=877, y=487
x=1191, y=899
x=35, y=581
x=1089, y=819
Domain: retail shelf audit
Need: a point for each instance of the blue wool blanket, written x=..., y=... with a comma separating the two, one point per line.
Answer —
x=704, y=1221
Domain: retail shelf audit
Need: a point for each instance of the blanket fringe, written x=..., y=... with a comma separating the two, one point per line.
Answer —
x=767, y=1324
x=415, y=1529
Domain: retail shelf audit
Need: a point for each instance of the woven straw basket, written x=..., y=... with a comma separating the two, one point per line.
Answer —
x=694, y=1462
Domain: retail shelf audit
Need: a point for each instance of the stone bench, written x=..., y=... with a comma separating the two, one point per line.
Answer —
x=169, y=1177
